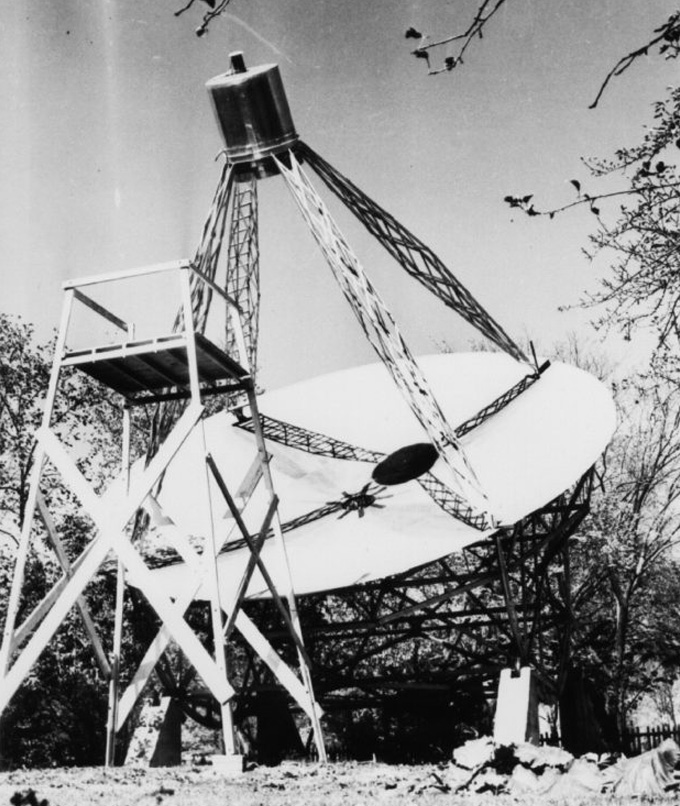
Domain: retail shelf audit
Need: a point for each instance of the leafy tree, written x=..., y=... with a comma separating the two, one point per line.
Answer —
x=641, y=287
x=58, y=716
x=625, y=587
x=81, y=408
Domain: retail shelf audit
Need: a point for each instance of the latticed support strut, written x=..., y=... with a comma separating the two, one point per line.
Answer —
x=383, y=334
x=243, y=264
x=411, y=253
x=205, y=262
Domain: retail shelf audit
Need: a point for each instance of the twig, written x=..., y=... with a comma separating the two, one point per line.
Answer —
x=210, y=15
x=669, y=31
x=10, y=535
x=185, y=8
x=215, y=11
x=530, y=210
x=475, y=29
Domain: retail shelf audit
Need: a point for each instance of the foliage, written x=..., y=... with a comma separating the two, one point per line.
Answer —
x=639, y=238
x=58, y=715
x=80, y=409
x=484, y=12
x=625, y=578
x=664, y=39
x=642, y=288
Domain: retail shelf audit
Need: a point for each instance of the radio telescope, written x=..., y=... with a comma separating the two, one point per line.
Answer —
x=293, y=492
x=526, y=437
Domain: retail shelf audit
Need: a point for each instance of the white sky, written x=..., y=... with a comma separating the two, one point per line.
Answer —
x=107, y=147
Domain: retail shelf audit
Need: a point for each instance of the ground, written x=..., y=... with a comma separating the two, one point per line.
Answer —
x=290, y=784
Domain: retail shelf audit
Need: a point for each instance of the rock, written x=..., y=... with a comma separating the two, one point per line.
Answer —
x=645, y=775
x=538, y=758
x=474, y=753
x=523, y=781
x=582, y=778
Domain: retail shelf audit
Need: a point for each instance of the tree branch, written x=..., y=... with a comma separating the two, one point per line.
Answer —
x=525, y=204
x=10, y=535
x=216, y=8
x=473, y=31
x=668, y=32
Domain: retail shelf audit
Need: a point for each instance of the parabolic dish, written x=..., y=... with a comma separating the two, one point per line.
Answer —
x=524, y=456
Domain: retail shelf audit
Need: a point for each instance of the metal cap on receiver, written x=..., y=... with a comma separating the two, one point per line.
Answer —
x=252, y=112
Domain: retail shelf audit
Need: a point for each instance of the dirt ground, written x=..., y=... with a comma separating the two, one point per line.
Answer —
x=292, y=784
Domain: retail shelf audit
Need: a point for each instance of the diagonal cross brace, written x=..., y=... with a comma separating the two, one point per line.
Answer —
x=243, y=624
x=250, y=568
x=255, y=554
x=112, y=537
x=81, y=602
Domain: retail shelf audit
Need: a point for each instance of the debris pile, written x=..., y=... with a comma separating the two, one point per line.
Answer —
x=480, y=765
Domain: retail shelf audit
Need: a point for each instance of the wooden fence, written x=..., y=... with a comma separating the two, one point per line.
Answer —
x=638, y=740
x=635, y=740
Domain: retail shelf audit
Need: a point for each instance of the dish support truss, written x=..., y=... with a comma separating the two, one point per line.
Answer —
x=437, y=631
x=142, y=371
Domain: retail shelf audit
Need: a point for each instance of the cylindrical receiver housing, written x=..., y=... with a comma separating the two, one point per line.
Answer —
x=252, y=111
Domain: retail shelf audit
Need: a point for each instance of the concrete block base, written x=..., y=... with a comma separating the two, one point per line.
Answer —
x=516, y=719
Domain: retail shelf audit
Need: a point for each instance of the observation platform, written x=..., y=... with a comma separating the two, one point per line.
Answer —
x=150, y=368
x=174, y=366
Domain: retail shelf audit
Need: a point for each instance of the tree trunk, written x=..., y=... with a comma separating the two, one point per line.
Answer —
x=620, y=672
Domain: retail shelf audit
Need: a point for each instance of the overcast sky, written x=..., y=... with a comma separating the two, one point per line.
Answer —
x=107, y=147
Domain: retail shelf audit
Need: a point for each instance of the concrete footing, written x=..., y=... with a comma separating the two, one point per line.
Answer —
x=516, y=719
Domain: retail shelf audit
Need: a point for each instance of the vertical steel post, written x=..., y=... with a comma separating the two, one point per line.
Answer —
x=212, y=547
x=290, y=595
x=114, y=682
x=32, y=499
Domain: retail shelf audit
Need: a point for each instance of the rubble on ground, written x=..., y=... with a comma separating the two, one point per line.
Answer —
x=480, y=765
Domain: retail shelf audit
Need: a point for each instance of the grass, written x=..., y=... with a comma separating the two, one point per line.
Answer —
x=290, y=784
